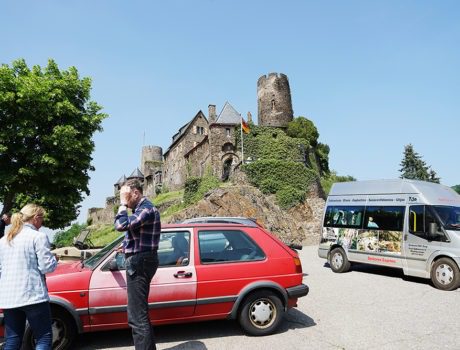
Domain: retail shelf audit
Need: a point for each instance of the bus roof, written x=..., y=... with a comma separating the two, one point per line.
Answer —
x=426, y=192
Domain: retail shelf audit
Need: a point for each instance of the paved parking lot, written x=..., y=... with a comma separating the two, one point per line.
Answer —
x=367, y=308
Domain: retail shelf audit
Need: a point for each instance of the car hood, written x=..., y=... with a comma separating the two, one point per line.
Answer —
x=68, y=277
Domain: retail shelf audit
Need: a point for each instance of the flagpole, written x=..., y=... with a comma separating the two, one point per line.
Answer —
x=242, y=147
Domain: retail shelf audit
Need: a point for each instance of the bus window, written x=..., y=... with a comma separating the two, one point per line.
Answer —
x=341, y=216
x=384, y=218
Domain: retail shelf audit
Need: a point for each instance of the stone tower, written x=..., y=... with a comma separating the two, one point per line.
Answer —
x=152, y=169
x=152, y=156
x=274, y=100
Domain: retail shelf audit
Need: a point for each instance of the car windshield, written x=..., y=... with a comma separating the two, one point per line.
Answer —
x=96, y=258
x=450, y=216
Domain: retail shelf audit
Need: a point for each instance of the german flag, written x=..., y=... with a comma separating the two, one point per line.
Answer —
x=244, y=126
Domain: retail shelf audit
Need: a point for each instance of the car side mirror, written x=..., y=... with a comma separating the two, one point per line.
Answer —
x=113, y=264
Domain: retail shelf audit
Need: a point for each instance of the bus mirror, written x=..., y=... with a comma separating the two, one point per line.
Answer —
x=432, y=228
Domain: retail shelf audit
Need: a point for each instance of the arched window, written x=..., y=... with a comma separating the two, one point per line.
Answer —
x=228, y=147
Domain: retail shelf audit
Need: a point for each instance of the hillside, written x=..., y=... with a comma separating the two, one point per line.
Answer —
x=299, y=224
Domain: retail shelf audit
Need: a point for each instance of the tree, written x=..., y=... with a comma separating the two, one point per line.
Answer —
x=47, y=123
x=413, y=167
x=303, y=128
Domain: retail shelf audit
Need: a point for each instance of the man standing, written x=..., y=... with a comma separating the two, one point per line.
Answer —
x=4, y=221
x=142, y=235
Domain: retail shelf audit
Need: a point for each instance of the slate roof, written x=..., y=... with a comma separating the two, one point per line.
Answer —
x=136, y=174
x=228, y=115
x=121, y=180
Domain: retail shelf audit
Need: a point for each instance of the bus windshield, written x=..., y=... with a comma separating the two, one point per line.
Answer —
x=450, y=216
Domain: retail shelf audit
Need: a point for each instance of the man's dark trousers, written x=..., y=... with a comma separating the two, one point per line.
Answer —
x=140, y=269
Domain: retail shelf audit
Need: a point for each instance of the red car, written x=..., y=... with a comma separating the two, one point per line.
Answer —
x=226, y=269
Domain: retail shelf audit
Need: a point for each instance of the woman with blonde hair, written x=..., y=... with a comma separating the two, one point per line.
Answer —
x=25, y=258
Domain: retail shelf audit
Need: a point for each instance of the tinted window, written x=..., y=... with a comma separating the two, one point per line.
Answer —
x=384, y=218
x=227, y=246
x=341, y=216
x=420, y=218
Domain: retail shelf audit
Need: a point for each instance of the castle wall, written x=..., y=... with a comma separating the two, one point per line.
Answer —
x=101, y=215
x=175, y=167
x=274, y=100
x=198, y=159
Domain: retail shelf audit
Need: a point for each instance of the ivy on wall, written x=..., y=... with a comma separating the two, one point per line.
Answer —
x=271, y=143
x=289, y=180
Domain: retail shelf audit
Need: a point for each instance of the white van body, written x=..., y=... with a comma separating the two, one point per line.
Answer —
x=407, y=224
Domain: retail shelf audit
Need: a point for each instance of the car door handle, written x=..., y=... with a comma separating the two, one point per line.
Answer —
x=183, y=274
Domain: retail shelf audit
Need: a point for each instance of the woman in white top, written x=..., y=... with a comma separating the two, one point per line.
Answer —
x=25, y=258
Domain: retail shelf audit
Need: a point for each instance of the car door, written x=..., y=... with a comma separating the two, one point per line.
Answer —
x=227, y=261
x=418, y=246
x=172, y=290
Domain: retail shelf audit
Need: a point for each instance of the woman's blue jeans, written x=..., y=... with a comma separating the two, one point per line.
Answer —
x=39, y=318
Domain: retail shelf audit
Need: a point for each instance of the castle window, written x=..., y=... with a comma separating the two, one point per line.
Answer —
x=227, y=132
x=228, y=147
x=273, y=105
x=200, y=130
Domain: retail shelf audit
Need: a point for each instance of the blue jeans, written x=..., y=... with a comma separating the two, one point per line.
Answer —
x=140, y=269
x=39, y=318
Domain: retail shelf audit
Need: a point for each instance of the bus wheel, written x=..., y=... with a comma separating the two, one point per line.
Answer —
x=445, y=274
x=338, y=261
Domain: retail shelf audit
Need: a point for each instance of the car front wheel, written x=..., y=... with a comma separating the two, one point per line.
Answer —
x=261, y=313
x=63, y=328
x=338, y=261
x=445, y=274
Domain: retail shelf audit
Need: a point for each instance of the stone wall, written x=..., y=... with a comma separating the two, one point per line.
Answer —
x=198, y=159
x=101, y=215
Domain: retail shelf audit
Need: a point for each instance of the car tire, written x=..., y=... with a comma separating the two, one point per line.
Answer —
x=261, y=313
x=338, y=261
x=64, y=332
x=445, y=274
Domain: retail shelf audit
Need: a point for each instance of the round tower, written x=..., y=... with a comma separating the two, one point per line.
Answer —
x=150, y=154
x=274, y=100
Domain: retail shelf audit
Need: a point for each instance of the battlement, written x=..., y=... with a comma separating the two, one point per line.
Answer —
x=264, y=79
x=154, y=153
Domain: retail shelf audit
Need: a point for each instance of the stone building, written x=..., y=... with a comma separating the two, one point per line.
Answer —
x=207, y=144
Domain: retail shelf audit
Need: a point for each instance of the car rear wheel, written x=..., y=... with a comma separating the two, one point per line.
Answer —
x=445, y=274
x=261, y=313
x=338, y=261
x=63, y=328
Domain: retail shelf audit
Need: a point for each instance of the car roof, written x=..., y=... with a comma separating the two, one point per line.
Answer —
x=222, y=220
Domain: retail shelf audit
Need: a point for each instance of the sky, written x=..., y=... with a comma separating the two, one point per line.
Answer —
x=373, y=76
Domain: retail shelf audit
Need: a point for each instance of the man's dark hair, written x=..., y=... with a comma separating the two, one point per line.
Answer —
x=8, y=213
x=134, y=185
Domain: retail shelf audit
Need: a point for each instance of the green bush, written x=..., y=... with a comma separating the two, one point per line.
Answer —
x=289, y=196
x=287, y=179
x=197, y=187
x=191, y=189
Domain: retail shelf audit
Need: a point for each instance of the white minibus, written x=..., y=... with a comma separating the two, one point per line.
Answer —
x=407, y=224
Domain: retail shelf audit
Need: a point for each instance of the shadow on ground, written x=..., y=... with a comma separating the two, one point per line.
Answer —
x=187, y=334
x=384, y=271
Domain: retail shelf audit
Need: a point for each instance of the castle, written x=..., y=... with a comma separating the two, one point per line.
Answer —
x=204, y=143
